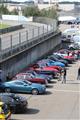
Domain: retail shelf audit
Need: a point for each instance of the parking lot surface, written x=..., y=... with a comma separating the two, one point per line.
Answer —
x=60, y=102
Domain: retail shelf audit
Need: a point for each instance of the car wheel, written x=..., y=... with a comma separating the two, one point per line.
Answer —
x=35, y=92
x=7, y=90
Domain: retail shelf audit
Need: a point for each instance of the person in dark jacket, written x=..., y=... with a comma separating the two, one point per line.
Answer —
x=8, y=77
x=1, y=76
x=64, y=76
x=78, y=76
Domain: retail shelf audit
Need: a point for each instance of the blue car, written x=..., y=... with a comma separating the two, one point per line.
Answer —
x=55, y=63
x=50, y=62
x=22, y=86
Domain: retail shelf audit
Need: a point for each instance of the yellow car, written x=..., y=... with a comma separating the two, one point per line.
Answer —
x=5, y=113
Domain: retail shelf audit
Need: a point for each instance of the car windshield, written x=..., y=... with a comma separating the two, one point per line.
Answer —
x=51, y=61
x=54, y=57
x=60, y=56
x=42, y=65
x=32, y=76
x=27, y=82
x=21, y=76
x=34, y=73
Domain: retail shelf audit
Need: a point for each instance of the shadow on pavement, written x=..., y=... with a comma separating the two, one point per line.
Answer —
x=49, y=86
x=53, y=82
x=48, y=93
x=70, y=65
x=14, y=119
x=30, y=111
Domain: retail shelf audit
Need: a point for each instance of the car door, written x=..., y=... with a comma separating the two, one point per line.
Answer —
x=18, y=86
x=27, y=86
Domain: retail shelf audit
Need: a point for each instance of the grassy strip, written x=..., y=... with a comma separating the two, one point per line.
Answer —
x=2, y=25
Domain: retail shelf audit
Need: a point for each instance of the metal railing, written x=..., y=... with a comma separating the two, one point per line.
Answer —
x=13, y=43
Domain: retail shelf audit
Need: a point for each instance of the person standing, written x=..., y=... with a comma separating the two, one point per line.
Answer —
x=60, y=76
x=1, y=76
x=8, y=77
x=64, y=76
x=78, y=76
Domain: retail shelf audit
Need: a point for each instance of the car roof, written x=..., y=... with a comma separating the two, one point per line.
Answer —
x=7, y=94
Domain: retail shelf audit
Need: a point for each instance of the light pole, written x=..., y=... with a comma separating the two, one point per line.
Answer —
x=19, y=12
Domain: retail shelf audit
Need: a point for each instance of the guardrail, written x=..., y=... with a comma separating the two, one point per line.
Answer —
x=13, y=44
x=10, y=29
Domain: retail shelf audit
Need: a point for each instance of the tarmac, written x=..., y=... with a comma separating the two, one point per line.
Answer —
x=60, y=102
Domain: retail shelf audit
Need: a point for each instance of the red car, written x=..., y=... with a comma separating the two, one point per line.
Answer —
x=49, y=70
x=54, y=68
x=31, y=78
x=70, y=58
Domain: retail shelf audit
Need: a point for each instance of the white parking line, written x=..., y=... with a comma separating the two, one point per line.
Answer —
x=72, y=91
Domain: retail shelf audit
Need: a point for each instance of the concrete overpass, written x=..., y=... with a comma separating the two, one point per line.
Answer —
x=25, y=46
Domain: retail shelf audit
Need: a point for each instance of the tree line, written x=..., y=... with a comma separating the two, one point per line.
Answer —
x=30, y=11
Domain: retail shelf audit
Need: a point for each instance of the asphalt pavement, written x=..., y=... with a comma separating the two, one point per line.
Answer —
x=60, y=102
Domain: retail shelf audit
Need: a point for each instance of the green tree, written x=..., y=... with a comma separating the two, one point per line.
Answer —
x=31, y=11
x=51, y=13
x=34, y=11
x=14, y=12
x=3, y=9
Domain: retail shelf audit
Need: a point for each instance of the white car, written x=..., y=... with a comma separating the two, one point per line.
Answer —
x=76, y=40
x=61, y=54
x=70, y=33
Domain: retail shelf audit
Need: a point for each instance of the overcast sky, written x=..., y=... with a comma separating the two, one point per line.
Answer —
x=46, y=0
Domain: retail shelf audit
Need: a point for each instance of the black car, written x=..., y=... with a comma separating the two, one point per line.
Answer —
x=15, y=102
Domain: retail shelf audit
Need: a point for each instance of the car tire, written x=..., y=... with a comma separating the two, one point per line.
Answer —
x=35, y=92
x=7, y=90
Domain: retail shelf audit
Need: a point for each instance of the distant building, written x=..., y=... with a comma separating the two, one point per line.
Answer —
x=66, y=6
x=77, y=6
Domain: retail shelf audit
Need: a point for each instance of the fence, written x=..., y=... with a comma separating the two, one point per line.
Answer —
x=15, y=42
x=9, y=41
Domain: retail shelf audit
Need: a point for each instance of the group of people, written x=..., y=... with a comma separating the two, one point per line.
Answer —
x=63, y=75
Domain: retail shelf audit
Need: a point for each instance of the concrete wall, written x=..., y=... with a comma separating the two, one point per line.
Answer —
x=19, y=62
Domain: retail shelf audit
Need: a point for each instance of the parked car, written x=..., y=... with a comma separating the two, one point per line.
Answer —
x=47, y=77
x=62, y=56
x=31, y=78
x=42, y=68
x=22, y=86
x=47, y=71
x=15, y=102
x=5, y=113
x=69, y=33
x=50, y=62
x=45, y=66
x=56, y=63
x=53, y=57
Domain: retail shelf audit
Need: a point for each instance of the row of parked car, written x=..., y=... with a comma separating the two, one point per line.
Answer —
x=35, y=78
